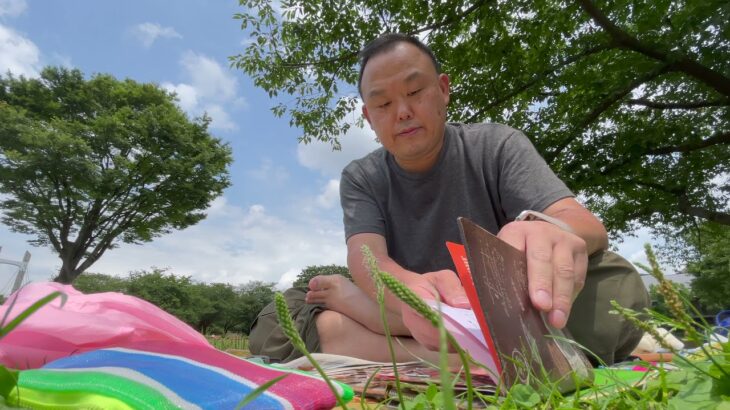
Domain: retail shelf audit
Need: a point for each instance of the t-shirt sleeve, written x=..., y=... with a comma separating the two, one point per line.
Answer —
x=525, y=179
x=361, y=213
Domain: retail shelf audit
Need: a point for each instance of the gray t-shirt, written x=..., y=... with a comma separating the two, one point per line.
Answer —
x=488, y=173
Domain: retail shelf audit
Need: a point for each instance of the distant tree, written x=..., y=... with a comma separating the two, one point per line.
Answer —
x=99, y=282
x=218, y=303
x=175, y=294
x=627, y=100
x=311, y=271
x=711, y=270
x=2, y=299
x=253, y=297
x=87, y=164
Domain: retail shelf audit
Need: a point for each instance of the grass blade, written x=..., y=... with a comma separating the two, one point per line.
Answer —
x=4, y=330
x=258, y=391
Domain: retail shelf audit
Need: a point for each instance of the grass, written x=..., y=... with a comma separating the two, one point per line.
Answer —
x=232, y=342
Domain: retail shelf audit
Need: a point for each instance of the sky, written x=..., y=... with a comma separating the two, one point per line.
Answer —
x=281, y=213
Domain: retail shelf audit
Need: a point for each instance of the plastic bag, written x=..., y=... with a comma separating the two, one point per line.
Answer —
x=83, y=323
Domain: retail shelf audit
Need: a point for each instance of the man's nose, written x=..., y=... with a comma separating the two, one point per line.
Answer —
x=405, y=112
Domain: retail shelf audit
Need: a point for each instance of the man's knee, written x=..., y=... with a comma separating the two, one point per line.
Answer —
x=330, y=328
x=609, y=336
x=267, y=338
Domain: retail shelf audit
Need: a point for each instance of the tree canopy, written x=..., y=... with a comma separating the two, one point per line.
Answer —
x=628, y=100
x=86, y=164
x=309, y=272
x=711, y=268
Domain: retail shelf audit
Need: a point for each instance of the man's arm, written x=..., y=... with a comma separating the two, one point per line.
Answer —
x=582, y=222
x=443, y=285
x=556, y=259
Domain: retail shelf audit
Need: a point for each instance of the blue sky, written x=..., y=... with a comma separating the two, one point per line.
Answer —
x=282, y=211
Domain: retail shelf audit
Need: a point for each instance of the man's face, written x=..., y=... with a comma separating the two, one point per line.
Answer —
x=405, y=104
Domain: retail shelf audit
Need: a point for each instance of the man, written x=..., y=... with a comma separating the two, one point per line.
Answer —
x=402, y=201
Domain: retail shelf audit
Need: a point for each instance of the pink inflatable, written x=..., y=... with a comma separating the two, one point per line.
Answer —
x=84, y=322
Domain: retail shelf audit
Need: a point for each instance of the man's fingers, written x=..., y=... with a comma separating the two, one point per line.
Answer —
x=539, y=267
x=581, y=268
x=564, y=273
x=421, y=329
x=540, y=274
x=315, y=296
x=449, y=286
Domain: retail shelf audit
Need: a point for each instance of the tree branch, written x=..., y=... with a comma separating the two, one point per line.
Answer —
x=684, y=206
x=675, y=61
x=719, y=138
x=722, y=218
x=678, y=106
x=476, y=6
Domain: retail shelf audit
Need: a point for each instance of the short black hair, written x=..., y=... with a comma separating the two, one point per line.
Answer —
x=386, y=42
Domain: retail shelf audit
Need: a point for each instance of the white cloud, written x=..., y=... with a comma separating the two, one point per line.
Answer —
x=287, y=279
x=12, y=8
x=330, y=196
x=209, y=90
x=186, y=94
x=319, y=156
x=148, y=33
x=269, y=173
x=208, y=77
x=18, y=54
x=221, y=119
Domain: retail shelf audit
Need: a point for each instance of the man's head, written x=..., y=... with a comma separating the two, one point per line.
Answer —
x=405, y=98
x=387, y=42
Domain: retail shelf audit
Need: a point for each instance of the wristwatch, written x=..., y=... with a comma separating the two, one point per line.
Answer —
x=539, y=216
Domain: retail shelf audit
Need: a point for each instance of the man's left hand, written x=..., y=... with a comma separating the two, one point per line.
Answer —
x=556, y=265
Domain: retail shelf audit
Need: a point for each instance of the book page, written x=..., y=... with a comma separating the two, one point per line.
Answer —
x=466, y=318
x=462, y=325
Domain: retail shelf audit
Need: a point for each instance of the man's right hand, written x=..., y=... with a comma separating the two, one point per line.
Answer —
x=443, y=285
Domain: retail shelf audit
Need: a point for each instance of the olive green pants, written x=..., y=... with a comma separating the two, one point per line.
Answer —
x=608, y=336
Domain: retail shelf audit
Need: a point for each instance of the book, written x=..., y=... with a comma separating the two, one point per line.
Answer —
x=517, y=343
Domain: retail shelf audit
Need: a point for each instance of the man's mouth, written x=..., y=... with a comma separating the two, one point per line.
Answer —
x=408, y=131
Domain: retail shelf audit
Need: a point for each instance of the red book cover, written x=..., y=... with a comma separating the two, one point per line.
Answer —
x=458, y=255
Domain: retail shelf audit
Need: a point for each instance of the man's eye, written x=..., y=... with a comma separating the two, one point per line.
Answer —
x=383, y=105
x=415, y=92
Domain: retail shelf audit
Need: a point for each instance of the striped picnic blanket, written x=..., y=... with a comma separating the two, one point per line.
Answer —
x=165, y=375
x=114, y=351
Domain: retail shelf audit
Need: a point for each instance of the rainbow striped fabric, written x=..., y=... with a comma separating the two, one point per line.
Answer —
x=165, y=375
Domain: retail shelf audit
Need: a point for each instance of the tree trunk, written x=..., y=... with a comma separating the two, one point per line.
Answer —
x=69, y=271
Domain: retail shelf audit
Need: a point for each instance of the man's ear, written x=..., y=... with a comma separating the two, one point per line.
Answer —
x=445, y=87
x=366, y=115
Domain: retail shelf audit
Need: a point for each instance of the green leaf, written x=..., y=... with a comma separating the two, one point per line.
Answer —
x=524, y=396
x=695, y=394
x=5, y=329
x=8, y=381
